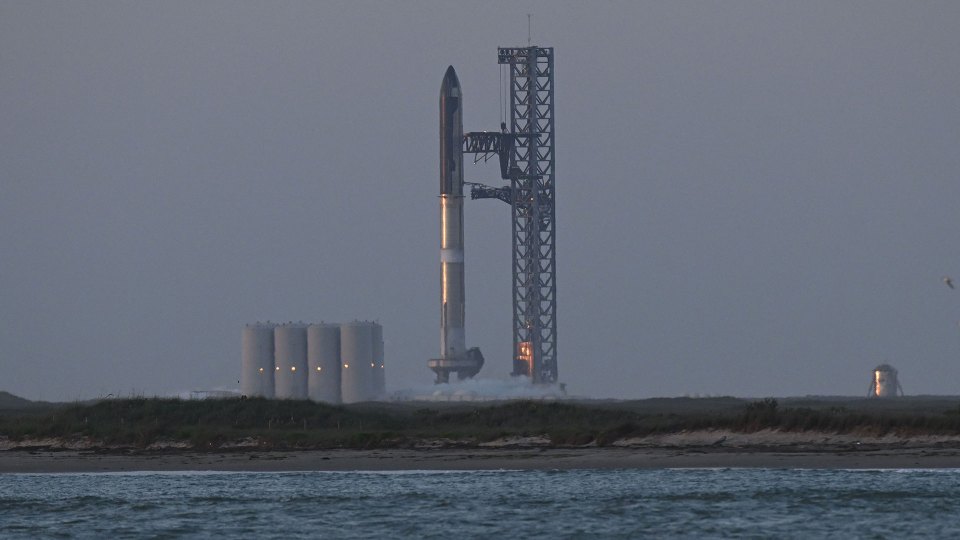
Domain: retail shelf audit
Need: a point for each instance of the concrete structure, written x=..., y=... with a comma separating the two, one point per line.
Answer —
x=884, y=382
x=454, y=356
x=256, y=364
x=290, y=357
x=323, y=362
x=358, y=366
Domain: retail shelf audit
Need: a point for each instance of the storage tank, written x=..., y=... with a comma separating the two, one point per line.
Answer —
x=323, y=362
x=884, y=382
x=379, y=373
x=356, y=359
x=290, y=356
x=256, y=363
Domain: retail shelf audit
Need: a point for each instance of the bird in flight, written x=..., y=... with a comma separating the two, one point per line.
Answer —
x=948, y=281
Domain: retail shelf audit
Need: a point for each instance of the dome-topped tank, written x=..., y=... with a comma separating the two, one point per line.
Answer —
x=323, y=362
x=884, y=383
x=379, y=374
x=328, y=362
x=356, y=356
x=290, y=355
x=256, y=365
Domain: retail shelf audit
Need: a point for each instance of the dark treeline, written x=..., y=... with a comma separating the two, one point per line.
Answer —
x=303, y=424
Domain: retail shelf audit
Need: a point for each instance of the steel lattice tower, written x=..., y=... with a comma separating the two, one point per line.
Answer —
x=526, y=154
x=533, y=210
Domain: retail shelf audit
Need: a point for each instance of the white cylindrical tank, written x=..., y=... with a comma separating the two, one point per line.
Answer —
x=256, y=364
x=379, y=373
x=290, y=356
x=885, y=382
x=323, y=362
x=356, y=359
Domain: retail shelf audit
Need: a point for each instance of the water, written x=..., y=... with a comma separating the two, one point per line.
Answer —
x=703, y=503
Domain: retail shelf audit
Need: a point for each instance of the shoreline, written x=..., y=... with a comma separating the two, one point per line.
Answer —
x=73, y=461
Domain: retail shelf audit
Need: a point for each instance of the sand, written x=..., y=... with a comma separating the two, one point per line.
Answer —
x=695, y=449
x=42, y=461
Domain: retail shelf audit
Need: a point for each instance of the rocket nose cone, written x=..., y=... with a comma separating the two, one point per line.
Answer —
x=450, y=81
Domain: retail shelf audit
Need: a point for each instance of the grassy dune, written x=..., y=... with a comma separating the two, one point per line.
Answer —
x=138, y=423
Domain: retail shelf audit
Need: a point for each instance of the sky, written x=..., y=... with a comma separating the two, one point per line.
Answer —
x=753, y=198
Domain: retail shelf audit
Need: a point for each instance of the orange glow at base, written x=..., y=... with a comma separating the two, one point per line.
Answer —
x=525, y=355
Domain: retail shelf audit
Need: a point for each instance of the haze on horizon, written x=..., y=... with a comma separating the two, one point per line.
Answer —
x=754, y=198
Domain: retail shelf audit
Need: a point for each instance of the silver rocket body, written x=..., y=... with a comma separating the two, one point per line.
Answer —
x=452, y=298
x=454, y=355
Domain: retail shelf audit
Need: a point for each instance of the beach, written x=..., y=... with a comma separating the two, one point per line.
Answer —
x=62, y=461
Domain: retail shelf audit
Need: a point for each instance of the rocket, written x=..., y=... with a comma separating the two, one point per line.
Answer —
x=454, y=355
x=452, y=298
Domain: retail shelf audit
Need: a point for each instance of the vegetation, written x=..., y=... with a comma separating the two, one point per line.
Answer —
x=140, y=422
x=9, y=401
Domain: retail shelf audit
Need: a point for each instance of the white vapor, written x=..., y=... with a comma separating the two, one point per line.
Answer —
x=481, y=390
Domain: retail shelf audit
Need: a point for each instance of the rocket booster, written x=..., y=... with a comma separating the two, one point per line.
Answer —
x=452, y=301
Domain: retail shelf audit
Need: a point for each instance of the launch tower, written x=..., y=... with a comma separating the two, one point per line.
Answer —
x=526, y=152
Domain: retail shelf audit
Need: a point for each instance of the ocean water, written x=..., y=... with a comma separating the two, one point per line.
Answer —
x=702, y=503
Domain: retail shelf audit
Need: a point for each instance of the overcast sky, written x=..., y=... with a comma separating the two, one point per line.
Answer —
x=753, y=198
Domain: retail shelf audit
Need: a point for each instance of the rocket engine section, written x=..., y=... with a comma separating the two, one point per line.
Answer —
x=454, y=355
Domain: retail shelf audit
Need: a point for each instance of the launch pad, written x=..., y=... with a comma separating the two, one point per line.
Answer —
x=525, y=148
